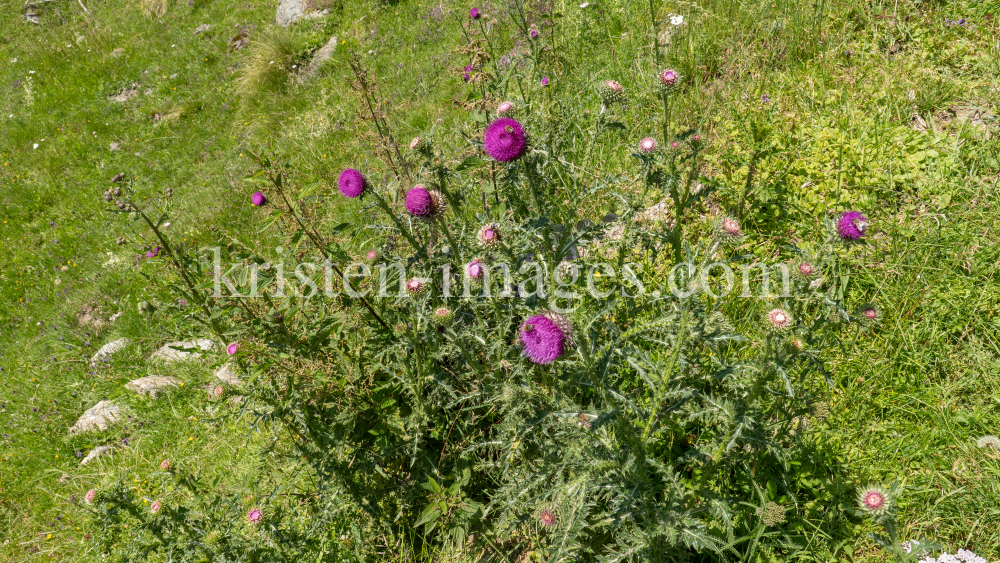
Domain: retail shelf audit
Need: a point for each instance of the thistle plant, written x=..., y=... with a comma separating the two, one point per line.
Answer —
x=493, y=387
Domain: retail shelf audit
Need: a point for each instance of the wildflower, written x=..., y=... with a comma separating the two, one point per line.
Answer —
x=547, y=517
x=533, y=32
x=415, y=286
x=420, y=145
x=474, y=13
x=219, y=391
x=424, y=203
x=467, y=72
x=779, y=318
x=443, y=314
x=989, y=442
x=676, y=19
x=165, y=464
x=875, y=501
x=153, y=253
x=232, y=348
x=852, y=225
x=647, y=145
x=870, y=313
x=89, y=497
x=258, y=199
x=545, y=81
x=254, y=516
x=352, y=183
x=696, y=141
x=474, y=269
x=668, y=78
x=764, y=99
x=489, y=234
x=372, y=255
x=772, y=513
x=545, y=337
x=504, y=140
x=611, y=92
x=796, y=345
x=155, y=507
x=728, y=230
x=805, y=269
x=504, y=107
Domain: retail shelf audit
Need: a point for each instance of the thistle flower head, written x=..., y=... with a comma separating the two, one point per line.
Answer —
x=547, y=516
x=474, y=13
x=165, y=464
x=779, y=319
x=806, y=269
x=728, y=231
x=545, y=336
x=545, y=81
x=504, y=140
x=870, y=313
x=474, y=269
x=258, y=199
x=504, y=107
x=647, y=145
x=533, y=32
x=489, y=234
x=989, y=442
x=668, y=78
x=218, y=391
x=352, y=183
x=255, y=516
x=424, y=203
x=155, y=507
x=415, y=286
x=443, y=315
x=89, y=497
x=232, y=348
x=611, y=92
x=852, y=225
x=875, y=501
x=371, y=255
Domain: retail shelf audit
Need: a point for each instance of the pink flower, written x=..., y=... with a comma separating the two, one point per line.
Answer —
x=779, y=318
x=668, y=77
x=474, y=269
x=806, y=269
x=474, y=13
x=647, y=145
x=504, y=107
x=545, y=337
x=258, y=199
x=505, y=140
x=232, y=348
x=153, y=253
x=414, y=285
x=254, y=516
x=852, y=225
x=731, y=227
x=89, y=497
x=155, y=507
x=352, y=183
x=218, y=391
x=165, y=464
x=545, y=81
x=547, y=518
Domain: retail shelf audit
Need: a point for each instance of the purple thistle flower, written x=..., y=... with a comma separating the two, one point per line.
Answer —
x=545, y=81
x=504, y=140
x=232, y=348
x=504, y=107
x=647, y=145
x=89, y=497
x=474, y=269
x=668, y=77
x=258, y=199
x=533, y=33
x=153, y=253
x=421, y=202
x=352, y=183
x=155, y=507
x=254, y=516
x=545, y=337
x=474, y=13
x=852, y=225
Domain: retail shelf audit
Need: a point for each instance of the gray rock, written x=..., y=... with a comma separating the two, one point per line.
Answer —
x=89, y=317
x=151, y=385
x=98, y=417
x=168, y=352
x=227, y=375
x=291, y=11
x=202, y=28
x=98, y=452
x=126, y=94
x=318, y=59
x=109, y=349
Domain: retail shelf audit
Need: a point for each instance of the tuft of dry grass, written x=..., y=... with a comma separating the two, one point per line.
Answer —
x=153, y=8
x=269, y=65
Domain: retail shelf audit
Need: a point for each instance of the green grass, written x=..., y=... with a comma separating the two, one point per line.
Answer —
x=911, y=397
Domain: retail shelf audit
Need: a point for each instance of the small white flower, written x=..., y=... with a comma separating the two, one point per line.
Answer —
x=31, y=72
x=35, y=146
x=676, y=19
x=271, y=63
x=585, y=4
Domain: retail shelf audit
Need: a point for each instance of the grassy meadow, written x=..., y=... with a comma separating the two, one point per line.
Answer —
x=805, y=108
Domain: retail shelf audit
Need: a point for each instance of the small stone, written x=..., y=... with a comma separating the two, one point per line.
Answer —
x=126, y=94
x=98, y=417
x=108, y=350
x=202, y=28
x=170, y=353
x=115, y=146
x=226, y=375
x=291, y=11
x=151, y=385
x=118, y=52
x=98, y=452
x=318, y=59
x=89, y=317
